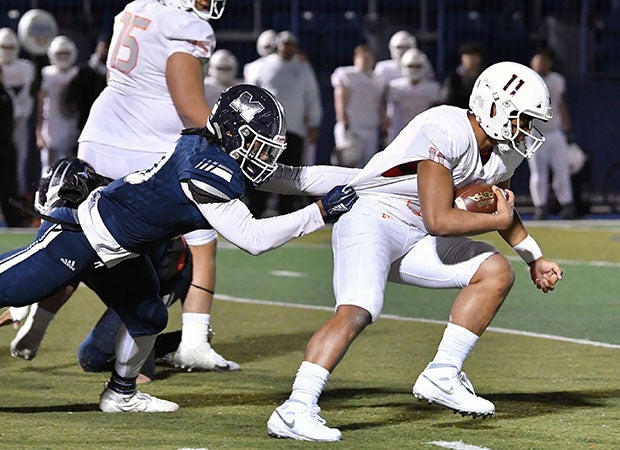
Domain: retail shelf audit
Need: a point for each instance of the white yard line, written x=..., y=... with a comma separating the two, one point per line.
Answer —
x=457, y=445
x=417, y=319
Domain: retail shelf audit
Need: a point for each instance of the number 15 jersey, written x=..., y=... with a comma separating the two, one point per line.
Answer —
x=135, y=110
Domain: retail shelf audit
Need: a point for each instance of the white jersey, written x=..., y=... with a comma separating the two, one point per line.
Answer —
x=213, y=89
x=293, y=82
x=557, y=86
x=442, y=134
x=251, y=69
x=59, y=127
x=17, y=78
x=135, y=110
x=405, y=100
x=365, y=95
x=388, y=70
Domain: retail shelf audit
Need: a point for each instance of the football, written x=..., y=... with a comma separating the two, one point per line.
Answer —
x=478, y=198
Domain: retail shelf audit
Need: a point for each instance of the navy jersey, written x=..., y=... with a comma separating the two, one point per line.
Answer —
x=150, y=206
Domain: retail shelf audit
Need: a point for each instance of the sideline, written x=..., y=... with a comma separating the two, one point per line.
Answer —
x=552, y=337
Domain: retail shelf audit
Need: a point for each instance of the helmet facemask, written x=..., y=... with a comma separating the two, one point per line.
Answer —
x=215, y=10
x=257, y=155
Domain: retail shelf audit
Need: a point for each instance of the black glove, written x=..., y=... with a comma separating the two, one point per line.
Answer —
x=337, y=202
x=76, y=188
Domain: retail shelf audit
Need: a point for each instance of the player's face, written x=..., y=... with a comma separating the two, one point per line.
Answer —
x=203, y=5
x=523, y=126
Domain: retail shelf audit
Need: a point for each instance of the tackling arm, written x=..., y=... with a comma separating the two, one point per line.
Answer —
x=307, y=180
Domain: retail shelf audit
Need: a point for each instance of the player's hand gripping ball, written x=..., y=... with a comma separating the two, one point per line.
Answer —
x=478, y=198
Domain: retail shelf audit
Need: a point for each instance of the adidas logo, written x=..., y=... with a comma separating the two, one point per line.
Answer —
x=70, y=263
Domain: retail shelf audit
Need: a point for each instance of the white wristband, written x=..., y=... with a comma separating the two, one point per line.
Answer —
x=528, y=249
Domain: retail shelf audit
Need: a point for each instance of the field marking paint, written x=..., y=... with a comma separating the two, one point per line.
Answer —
x=457, y=445
x=288, y=273
x=552, y=337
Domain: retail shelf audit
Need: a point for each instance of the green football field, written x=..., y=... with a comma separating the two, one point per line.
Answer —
x=550, y=362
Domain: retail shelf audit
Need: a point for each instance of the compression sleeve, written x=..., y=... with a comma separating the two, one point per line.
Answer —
x=307, y=180
x=236, y=224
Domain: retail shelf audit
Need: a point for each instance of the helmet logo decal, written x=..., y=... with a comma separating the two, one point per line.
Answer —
x=511, y=81
x=246, y=107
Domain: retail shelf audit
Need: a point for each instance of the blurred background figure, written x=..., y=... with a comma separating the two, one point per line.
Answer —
x=8, y=157
x=410, y=94
x=553, y=156
x=294, y=83
x=221, y=74
x=400, y=42
x=458, y=85
x=90, y=80
x=360, y=111
x=18, y=77
x=57, y=122
x=265, y=45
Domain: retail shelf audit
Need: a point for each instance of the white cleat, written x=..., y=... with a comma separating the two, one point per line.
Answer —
x=202, y=357
x=453, y=390
x=296, y=420
x=113, y=402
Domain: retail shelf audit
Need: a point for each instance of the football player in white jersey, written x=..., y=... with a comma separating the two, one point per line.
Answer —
x=555, y=156
x=221, y=74
x=359, y=106
x=400, y=42
x=410, y=94
x=57, y=129
x=155, y=89
x=18, y=76
x=405, y=229
x=265, y=45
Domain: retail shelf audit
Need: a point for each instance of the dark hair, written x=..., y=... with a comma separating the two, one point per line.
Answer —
x=471, y=48
x=546, y=52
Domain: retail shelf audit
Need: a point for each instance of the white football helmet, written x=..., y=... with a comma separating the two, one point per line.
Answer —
x=62, y=52
x=266, y=43
x=223, y=67
x=414, y=64
x=400, y=42
x=9, y=46
x=35, y=30
x=215, y=11
x=509, y=91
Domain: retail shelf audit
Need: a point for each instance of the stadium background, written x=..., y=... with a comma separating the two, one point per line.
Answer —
x=585, y=35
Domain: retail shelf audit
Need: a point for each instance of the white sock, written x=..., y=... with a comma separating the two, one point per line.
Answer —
x=454, y=347
x=195, y=327
x=309, y=383
x=131, y=353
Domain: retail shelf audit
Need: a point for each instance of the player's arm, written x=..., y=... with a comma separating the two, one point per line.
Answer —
x=307, y=180
x=39, y=121
x=184, y=78
x=544, y=273
x=341, y=98
x=436, y=192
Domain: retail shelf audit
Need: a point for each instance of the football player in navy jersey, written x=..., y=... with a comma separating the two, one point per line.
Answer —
x=198, y=185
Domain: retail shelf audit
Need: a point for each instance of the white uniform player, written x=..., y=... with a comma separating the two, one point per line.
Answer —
x=400, y=42
x=18, y=76
x=410, y=94
x=57, y=124
x=404, y=229
x=265, y=45
x=221, y=74
x=554, y=158
x=363, y=111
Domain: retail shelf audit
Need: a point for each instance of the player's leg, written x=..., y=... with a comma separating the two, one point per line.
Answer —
x=485, y=278
x=555, y=144
x=144, y=315
x=30, y=335
x=364, y=246
x=539, y=182
x=195, y=351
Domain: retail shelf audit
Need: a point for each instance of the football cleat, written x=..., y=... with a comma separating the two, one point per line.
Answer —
x=113, y=402
x=296, y=420
x=452, y=389
x=201, y=357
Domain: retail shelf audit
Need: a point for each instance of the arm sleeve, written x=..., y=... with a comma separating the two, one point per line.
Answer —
x=236, y=224
x=308, y=180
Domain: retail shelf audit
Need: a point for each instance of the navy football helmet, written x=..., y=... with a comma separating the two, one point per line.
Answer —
x=249, y=123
